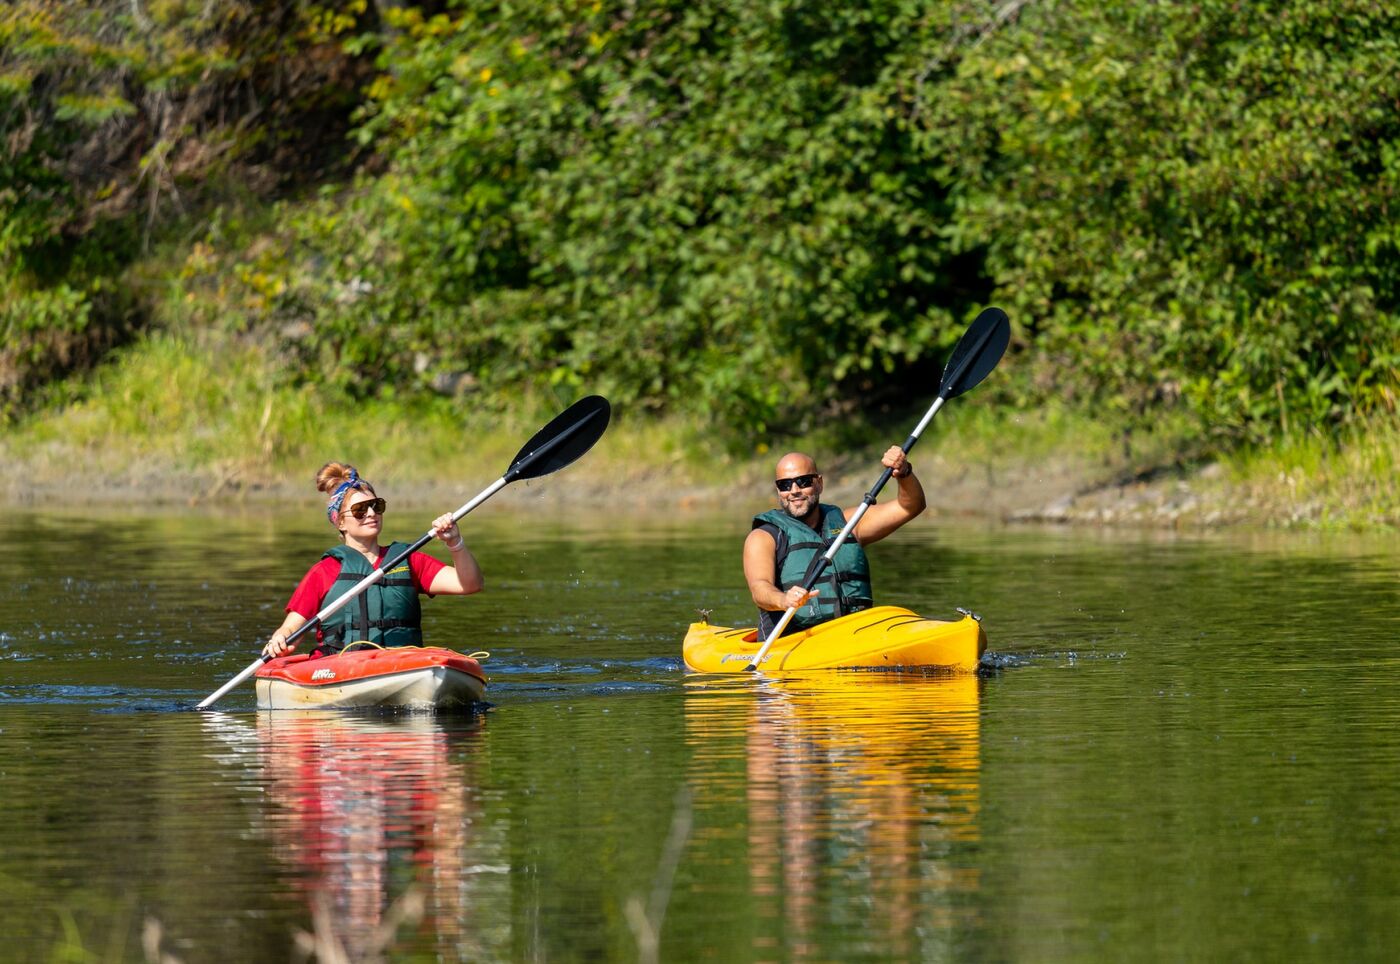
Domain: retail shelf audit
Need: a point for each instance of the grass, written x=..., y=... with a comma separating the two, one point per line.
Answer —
x=211, y=411
x=190, y=414
x=1347, y=481
x=212, y=404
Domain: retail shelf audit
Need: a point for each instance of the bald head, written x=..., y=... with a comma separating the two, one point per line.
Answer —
x=794, y=464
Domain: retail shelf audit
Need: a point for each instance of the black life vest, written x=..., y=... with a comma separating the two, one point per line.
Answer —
x=844, y=586
x=386, y=613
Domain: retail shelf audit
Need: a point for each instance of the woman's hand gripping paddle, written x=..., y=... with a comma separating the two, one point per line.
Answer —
x=571, y=433
x=975, y=355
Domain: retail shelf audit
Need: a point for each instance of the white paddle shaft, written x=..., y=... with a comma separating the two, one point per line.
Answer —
x=489, y=491
x=923, y=423
x=215, y=696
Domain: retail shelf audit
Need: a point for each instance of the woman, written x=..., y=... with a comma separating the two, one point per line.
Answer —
x=387, y=612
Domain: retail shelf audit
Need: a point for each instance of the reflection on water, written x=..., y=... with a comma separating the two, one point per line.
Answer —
x=367, y=810
x=864, y=778
x=1192, y=755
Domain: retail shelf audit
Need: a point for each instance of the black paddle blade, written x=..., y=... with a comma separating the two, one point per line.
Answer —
x=571, y=433
x=977, y=353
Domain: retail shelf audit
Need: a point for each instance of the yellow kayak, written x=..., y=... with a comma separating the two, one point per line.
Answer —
x=886, y=637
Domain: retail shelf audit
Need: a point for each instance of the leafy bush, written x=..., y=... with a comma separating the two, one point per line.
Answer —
x=117, y=120
x=756, y=212
x=703, y=205
x=1189, y=202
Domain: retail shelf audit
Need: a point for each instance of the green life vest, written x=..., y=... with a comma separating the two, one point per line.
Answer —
x=386, y=613
x=844, y=586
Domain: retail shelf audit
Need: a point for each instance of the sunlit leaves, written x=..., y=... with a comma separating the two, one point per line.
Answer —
x=119, y=118
x=1192, y=199
x=765, y=211
x=708, y=205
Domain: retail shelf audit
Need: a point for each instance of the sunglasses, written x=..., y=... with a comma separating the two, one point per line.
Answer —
x=361, y=509
x=801, y=481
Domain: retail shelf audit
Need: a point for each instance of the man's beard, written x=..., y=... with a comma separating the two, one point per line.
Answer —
x=804, y=513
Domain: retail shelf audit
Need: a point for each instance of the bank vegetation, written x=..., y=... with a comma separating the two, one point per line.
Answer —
x=228, y=231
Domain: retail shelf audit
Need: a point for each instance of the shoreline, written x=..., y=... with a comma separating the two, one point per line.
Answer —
x=1058, y=492
x=177, y=422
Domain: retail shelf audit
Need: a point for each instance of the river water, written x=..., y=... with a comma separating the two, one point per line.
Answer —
x=1187, y=749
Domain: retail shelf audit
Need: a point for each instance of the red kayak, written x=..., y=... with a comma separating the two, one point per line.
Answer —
x=406, y=677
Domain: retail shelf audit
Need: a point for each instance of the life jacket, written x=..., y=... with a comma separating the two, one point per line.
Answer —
x=386, y=613
x=844, y=586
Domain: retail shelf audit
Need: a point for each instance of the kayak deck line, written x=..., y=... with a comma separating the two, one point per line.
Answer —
x=905, y=621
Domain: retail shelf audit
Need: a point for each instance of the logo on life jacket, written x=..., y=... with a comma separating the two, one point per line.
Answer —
x=323, y=674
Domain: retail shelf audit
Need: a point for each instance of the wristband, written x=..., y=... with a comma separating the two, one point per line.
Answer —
x=454, y=546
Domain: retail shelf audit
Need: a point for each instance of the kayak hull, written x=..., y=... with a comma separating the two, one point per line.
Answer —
x=885, y=637
x=408, y=677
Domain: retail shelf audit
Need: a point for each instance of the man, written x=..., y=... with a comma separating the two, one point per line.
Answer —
x=786, y=540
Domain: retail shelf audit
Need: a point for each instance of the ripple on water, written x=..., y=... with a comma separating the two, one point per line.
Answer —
x=61, y=694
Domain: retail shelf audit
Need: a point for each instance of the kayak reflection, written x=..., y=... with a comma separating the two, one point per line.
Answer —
x=864, y=780
x=370, y=810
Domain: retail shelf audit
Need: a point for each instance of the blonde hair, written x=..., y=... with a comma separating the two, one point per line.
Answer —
x=334, y=474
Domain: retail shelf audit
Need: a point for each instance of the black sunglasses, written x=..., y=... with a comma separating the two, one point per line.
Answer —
x=361, y=509
x=801, y=481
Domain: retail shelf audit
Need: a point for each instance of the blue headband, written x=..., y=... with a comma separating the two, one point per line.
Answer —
x=338, y=496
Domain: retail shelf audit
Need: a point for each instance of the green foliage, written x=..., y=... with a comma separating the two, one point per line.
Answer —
x=118, y=119
x=1188, y=201
x=705, y=206
x=758, y=213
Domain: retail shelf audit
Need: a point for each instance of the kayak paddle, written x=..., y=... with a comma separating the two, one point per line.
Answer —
x=973, y=358
x=560, y=443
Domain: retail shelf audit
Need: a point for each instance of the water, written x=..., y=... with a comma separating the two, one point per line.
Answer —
x=1188, y=753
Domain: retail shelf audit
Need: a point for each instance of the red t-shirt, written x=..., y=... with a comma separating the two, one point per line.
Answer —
x=306, y=601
